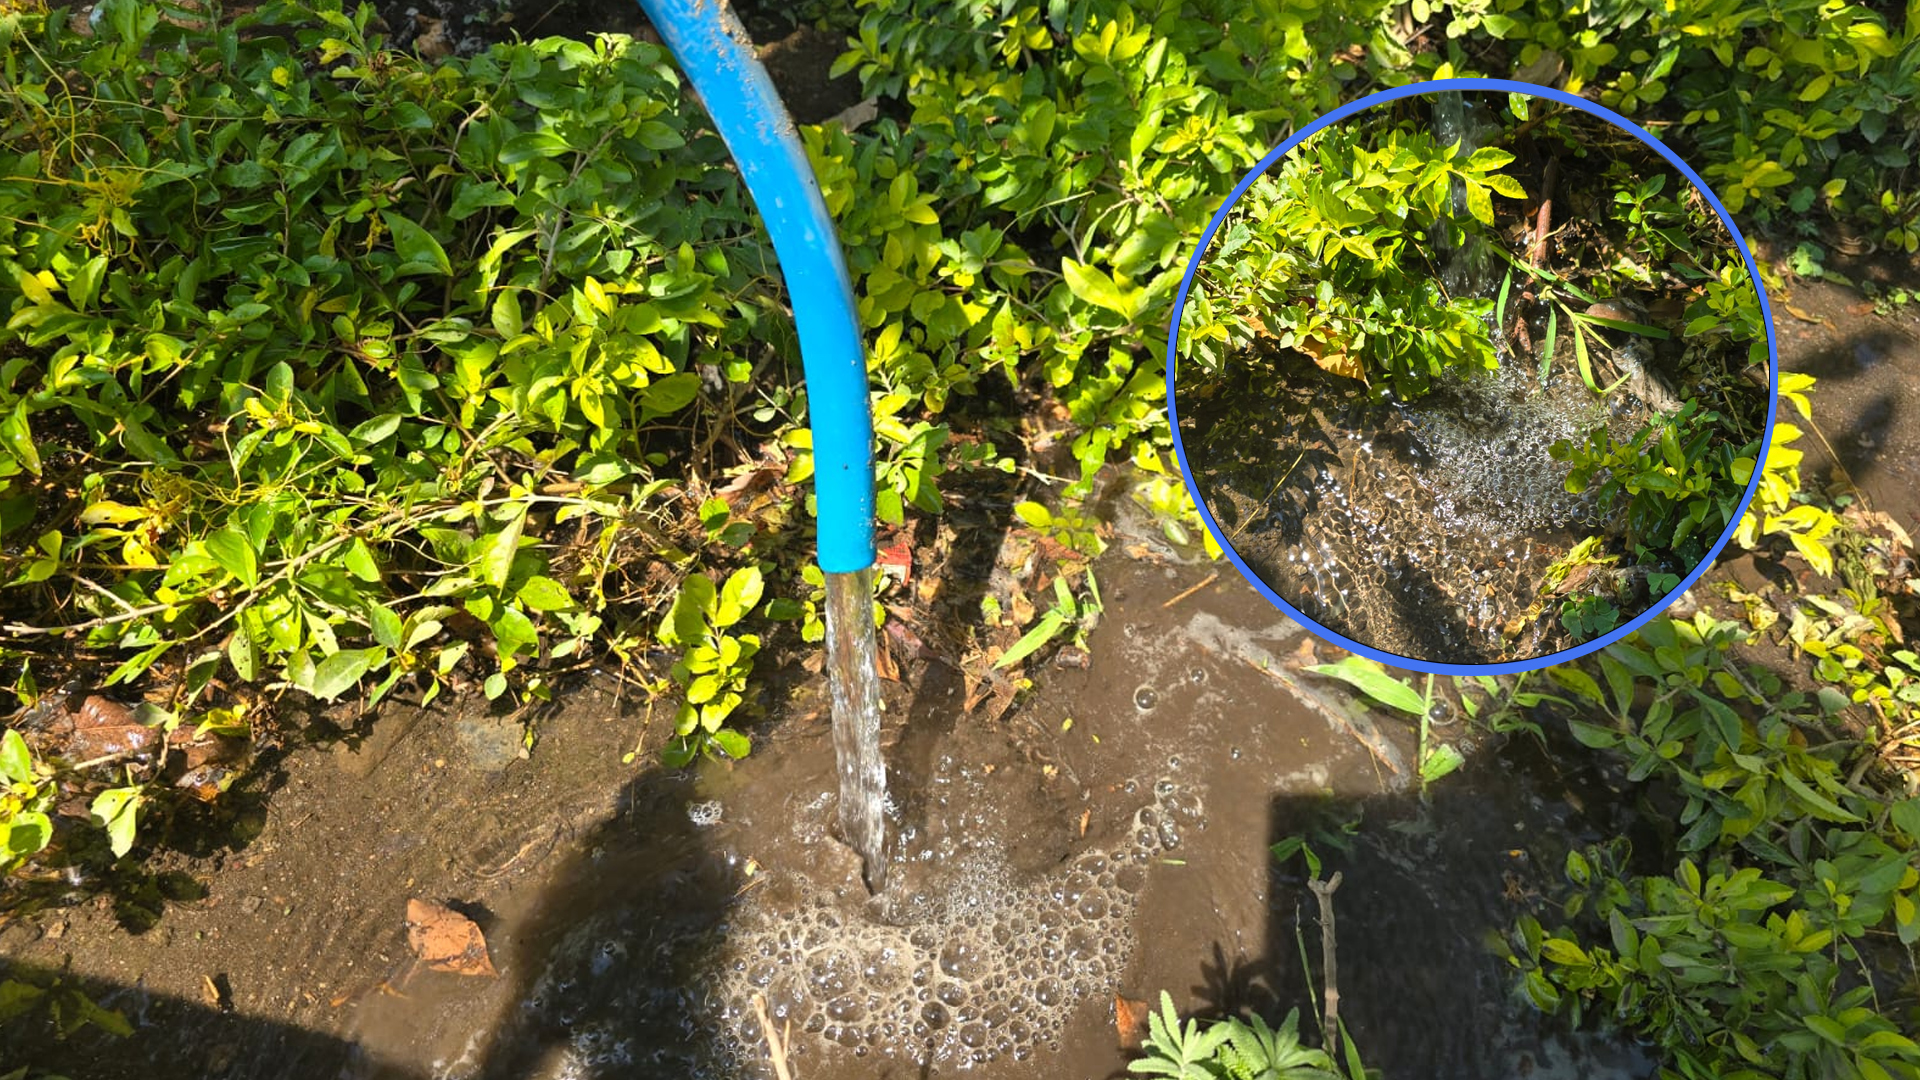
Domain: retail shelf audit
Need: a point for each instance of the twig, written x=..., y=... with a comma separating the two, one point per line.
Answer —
x=776, y=1046
x=1263, y=502
x=1204, y=582
x=1330, y=1023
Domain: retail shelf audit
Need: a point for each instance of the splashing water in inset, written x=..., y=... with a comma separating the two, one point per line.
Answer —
x=1469, y=267
x=853, y=676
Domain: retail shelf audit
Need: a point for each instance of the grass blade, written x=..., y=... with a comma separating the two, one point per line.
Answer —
x=1043, y=631
x=1631, y=327
x=1553, y=335
x=1580, y=354
x=1500, y=306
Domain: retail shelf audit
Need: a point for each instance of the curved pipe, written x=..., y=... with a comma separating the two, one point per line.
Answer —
x=714, y=51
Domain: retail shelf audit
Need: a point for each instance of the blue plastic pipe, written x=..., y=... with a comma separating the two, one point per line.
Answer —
x=717, y=56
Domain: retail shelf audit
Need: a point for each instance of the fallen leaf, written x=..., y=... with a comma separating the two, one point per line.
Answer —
x=103, y=728
x=1085, y=817
x=1130, y=1021
x=446, y=940
x=432, y=41
x=213, y=991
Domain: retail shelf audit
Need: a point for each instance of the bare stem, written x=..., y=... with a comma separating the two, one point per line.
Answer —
x=1330, y=1021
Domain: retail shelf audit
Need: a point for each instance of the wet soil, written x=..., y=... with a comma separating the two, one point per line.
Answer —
x=1869, y=372
x=1107, y=836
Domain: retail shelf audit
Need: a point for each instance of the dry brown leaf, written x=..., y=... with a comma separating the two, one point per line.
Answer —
x=103, y=728
x=446, y=940
x=432, y=42
x=1130, y=1021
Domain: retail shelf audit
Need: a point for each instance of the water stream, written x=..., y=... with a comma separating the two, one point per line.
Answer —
x=1468, y=271
x=854, y=677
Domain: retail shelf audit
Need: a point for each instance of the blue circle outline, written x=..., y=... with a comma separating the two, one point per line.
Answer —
x=1502, y=86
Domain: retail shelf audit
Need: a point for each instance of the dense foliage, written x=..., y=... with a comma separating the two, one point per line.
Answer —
x=330, y=369
x=1339, y=250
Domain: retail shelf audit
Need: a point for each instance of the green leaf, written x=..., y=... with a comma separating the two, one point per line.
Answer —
x=686, y=623
x=671, y=394
x=1562, y=951
x=1479, y=203
x=387, y=628
x=340, y=672
x=16, y=762
x=1092, y=285
x=1580, y=333
x=118, y=809
x=542, y=593
x=1372, y=679
x=731, y=743
x=1593, y=735
x=1631, y=327
x=507, y=318
x=1822, y=807
x=1906, y=815
x=1440, y=761
x=1827, y=1028
x=532, y=144
x=1546, y=350
x=242, y=654
x=1050, y=624
x=234, y=552
x=376, y=431
x=419, y=252
x=30, y=832
x=17, y=437
x=1033, y=514
x=739, y=596
x=359, y=561
x=513, y=633
x=496, y=555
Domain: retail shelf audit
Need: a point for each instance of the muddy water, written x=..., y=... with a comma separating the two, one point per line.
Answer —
x=1422, y=529
x=1109, y=837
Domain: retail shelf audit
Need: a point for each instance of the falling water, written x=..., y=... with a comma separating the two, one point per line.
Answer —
x=853, y=676
x=1469, y=266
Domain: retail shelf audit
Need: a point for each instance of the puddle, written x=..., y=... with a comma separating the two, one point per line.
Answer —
x=1111, y=839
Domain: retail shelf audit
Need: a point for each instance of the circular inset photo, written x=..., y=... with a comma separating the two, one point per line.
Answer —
x=1472, y=374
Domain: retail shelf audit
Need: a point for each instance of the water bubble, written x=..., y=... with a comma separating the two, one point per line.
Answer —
x=1145, y=698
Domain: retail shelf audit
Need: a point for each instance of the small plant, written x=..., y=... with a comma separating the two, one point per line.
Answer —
x=1068, y=612
x=68, y=1008
x=1678, y=477
x=1231, y=1049
x=1068, y=527
x=1436, y=759
x=714, y=663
